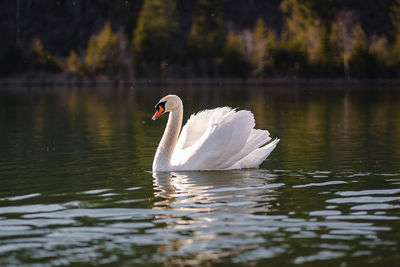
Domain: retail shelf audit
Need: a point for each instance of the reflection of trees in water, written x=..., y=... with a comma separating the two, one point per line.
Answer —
x=105, y=124
x=329, y=128
x=321, y=128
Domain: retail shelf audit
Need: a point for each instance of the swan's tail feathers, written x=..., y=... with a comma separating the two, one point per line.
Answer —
x=268, y=148
x=256, y=139
x=255, y=158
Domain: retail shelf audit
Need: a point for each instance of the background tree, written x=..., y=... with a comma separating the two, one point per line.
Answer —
x=379, y=49
x=299, y=37
x=206, y=38
x=346, y=22
x=127, y=13
x=395, y=18
x=232, y=54
x=362, y=62
x=326, y=60
x=307, y=29
x=73, y=64
x=302, y=21
x=43, y=59
x=264, y=43
x=102, y=53
x=154, y=37
x=169, y=37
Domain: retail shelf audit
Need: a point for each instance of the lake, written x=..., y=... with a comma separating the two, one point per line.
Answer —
x=77, y=187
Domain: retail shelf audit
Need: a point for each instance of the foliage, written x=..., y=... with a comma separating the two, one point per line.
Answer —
x=345, y=24
x=314, y=40
x=264, y=43
x=362, y=62
x=205, y=38
x=233, y=63
x=380, y=50
x=44, y=59
x=128, y=12
x=102, y=53
x=326, y=60
x=303, y=19
x=299, y=23
x=154, y=36
x=73, y=64
x=395, y=17
x=308, y=30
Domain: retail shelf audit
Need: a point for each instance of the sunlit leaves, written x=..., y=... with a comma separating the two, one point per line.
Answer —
x=43, y=58
x=102, y=52
x=153, y=38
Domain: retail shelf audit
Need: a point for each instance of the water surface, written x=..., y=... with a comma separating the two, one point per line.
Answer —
x=77, y=187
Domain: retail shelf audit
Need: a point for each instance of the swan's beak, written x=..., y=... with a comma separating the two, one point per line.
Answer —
x=159, y=111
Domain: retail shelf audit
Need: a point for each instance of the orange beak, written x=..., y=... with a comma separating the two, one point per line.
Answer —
x=159, y=111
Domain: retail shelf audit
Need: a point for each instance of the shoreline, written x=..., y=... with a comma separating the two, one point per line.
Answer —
x=64, y=80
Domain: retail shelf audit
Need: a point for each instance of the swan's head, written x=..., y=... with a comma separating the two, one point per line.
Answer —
x=167, y=104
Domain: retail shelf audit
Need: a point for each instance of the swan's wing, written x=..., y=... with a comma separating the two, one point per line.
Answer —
x=197, y=125
x=256, y=139
x=255, y=158
x=209, y=141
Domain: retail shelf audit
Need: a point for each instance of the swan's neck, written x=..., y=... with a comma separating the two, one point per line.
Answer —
x=162, y=159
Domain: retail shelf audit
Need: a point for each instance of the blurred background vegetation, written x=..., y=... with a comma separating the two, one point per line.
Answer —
x=174, y=39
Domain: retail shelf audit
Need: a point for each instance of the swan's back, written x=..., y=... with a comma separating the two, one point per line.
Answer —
x=221, y=138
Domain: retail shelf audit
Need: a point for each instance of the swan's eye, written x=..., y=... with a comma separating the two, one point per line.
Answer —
x=160, y=106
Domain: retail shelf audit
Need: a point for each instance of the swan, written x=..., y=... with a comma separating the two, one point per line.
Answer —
x=214, y=139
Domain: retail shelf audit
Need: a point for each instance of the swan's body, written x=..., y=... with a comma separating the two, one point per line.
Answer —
x=215, y=139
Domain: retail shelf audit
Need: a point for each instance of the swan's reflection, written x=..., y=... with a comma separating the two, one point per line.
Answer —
x=240, y=191
x=209, y=210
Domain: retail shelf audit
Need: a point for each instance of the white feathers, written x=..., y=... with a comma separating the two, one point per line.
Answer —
x=215, y=139
x=220, y=138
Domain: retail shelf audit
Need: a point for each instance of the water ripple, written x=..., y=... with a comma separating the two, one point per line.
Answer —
x=364, y=199
x=190, y=218
x=369, y=192
x=322, y=255
x=21, y=197
x=375, y=207
x=320, y=184
x=30, y=209
x=227, y=189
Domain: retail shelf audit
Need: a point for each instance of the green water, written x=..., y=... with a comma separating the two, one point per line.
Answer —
x=77, y=188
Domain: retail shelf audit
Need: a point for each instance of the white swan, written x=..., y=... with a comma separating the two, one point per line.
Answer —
x=215, y=139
